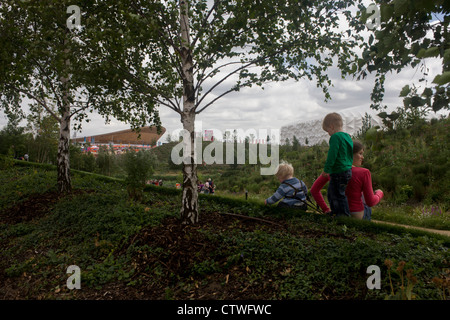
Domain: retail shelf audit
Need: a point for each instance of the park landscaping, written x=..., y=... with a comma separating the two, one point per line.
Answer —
x=128, y=249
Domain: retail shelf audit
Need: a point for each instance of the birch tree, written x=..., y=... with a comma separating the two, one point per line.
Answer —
x=43, y=59
x=188, y=54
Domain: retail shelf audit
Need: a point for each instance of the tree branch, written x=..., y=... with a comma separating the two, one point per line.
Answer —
x=39, y=101
x=216, y=2
x=214, y=100
x=170, y=104
x=222, y=80
x=83, y=108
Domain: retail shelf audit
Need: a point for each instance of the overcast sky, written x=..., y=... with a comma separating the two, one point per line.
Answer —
x=280, y=103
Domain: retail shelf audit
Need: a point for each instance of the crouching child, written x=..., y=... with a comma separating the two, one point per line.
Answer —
x=292, y=192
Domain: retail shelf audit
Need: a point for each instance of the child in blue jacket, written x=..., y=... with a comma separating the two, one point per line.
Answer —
x=292, y=191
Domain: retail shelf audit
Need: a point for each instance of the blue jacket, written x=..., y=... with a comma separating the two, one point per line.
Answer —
x=287, y=192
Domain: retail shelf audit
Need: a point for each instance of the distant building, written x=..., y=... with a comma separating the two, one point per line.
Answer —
x=148, y=135
x=312, y=132
x=120, y=140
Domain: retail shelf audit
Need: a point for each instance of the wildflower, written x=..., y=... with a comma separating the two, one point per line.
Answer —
x=401, y=265
x=388, y=263
x=437, y=281
x=409, y=275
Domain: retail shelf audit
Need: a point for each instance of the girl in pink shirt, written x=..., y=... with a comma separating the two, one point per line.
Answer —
x=359, y=190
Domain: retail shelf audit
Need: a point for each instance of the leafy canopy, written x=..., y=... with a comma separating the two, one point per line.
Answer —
x=38, y=53
x=233, y=45
x=411, y=31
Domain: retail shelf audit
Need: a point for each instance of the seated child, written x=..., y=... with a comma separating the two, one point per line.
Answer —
x=205, y=189
x=292, y=191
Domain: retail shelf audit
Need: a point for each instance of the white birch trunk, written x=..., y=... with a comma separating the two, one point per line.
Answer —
x=63, y=162
x=64, y=181
x=189, y=208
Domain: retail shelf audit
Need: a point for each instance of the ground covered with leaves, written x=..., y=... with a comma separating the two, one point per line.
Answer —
x=239, y=250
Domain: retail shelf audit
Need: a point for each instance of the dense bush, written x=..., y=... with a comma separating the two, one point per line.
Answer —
x=138, y=167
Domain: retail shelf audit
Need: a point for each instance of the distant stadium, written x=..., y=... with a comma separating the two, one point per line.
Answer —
x=122, y=140
x=310, y=132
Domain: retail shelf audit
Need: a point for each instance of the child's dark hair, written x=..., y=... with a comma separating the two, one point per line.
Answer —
x=357, y=146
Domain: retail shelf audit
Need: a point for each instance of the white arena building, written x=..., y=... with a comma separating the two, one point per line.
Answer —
x=311, y=130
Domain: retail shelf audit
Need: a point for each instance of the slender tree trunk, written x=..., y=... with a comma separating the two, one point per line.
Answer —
x=63, y=161
x=189, y=208
x=64, y=180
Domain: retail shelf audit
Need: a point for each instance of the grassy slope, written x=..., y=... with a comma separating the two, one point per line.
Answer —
x=120, y=247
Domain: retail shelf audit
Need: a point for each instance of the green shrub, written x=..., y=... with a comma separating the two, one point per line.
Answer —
x=6, y=162
x=439, y=171
x=235, y=189
x=404, y=193
x=419, y=187
x=105, y=161
x=253, y=188
x=387, y=180
x=421, y=169
x=138, y=166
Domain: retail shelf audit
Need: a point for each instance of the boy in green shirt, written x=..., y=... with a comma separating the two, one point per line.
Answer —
x=338, y=164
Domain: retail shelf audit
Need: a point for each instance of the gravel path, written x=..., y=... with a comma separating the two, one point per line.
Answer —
x=443, y=232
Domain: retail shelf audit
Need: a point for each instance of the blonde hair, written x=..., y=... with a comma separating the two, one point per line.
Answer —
x=332, y=119
x=284, y=170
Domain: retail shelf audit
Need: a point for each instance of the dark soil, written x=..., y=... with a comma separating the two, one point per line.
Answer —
x=35, y=206
x=185, y=245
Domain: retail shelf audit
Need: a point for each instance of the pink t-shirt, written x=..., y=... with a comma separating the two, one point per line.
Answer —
x=359, y=185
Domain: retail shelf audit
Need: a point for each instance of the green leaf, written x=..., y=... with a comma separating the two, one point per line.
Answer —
x=393, y=116
x=442, y=79
x=386, y=12
x=405, y=91
x=432, y=52
x=382, y=115
x=428, y=53
x=417, y=101
x=447, y=55
x=400, y=7
x=421, y=53
x=427, y=92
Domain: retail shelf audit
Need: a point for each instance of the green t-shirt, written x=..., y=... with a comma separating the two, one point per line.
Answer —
x=340, y=154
